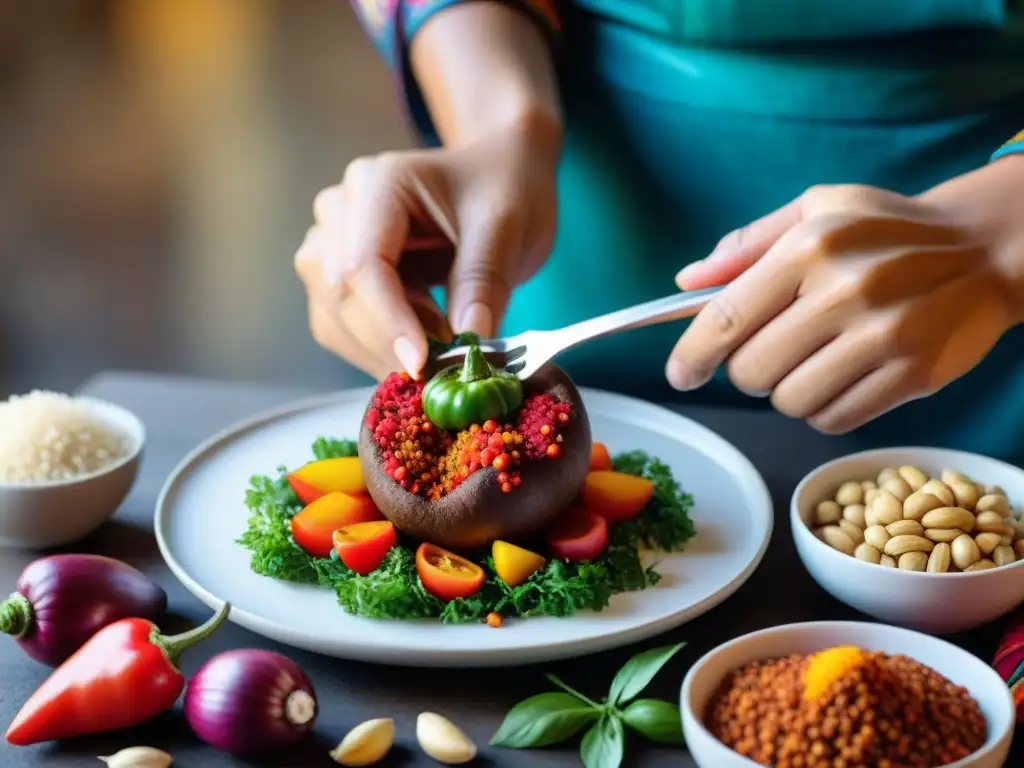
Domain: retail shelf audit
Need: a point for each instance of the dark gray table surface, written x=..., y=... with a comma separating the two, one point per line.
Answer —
x=180, y=412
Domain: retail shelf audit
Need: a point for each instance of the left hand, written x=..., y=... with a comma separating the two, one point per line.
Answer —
x=852, y=300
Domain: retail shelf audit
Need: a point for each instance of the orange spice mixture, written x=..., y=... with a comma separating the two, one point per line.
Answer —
x=845, y=708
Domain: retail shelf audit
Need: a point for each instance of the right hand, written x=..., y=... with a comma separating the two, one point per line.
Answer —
x=369, y=298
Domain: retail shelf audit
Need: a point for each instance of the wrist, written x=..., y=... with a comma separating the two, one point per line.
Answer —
x=985, y=204
x=1007, y=228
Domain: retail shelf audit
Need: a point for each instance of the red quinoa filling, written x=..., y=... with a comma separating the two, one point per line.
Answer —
x=432, y=462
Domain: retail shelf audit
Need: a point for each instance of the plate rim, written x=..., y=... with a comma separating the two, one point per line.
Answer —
x=481, y=657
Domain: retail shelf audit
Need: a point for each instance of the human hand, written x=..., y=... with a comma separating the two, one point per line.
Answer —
x=369, y=298
x=852, y=300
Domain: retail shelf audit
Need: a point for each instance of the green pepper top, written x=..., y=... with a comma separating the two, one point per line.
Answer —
x=471, y=393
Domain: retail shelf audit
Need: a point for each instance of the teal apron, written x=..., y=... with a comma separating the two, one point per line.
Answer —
x=687, y=119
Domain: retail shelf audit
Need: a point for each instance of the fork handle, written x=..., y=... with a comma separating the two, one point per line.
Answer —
x=664, y=310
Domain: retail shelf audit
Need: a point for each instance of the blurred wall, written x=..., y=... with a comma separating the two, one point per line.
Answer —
x=158, y=161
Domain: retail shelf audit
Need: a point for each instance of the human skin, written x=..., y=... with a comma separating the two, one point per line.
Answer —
x=486, y=73
x=852, y=300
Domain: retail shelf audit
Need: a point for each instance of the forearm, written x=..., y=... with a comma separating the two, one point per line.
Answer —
x=483, y=66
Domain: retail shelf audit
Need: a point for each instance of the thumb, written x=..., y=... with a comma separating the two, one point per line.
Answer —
x=480, y=282
x=739, y=250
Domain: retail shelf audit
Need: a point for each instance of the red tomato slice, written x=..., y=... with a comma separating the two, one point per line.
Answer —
x=445, y=575
x=581, y=535
x=600, y=459
x=363, y=546
x=315, y=525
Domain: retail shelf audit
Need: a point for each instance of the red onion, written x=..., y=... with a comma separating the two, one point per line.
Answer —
x=61, y=601
x=248, y=702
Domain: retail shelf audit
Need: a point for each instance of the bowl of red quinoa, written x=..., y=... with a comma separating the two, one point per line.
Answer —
x=934, y=602
x=845, y=694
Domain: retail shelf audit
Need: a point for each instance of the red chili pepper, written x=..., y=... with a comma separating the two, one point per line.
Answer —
x=126, y=674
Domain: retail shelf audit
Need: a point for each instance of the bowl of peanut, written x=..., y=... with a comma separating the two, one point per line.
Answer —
x=926, y=538
x=845, y=693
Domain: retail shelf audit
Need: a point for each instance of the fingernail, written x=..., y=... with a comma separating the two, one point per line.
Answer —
x=680, y=376
x=686, y=271
x=476, y=318
x=408, y=355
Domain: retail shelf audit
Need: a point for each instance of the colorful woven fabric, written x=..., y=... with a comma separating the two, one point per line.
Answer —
x=1009, y=662
x=1016, y=144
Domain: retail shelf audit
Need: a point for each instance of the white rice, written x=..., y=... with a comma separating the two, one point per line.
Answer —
x=47, y=437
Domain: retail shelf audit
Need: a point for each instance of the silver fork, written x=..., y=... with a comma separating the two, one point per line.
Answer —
x=525, y=353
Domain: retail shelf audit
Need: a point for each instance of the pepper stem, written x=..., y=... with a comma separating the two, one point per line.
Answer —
x=476, y=366
x=174, y=645
x=16, y=615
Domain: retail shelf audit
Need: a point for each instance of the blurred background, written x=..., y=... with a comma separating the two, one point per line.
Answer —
x=158, y=162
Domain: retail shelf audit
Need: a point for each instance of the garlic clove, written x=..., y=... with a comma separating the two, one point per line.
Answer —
x=365, y=744
x=442, y=740
x=138, y=757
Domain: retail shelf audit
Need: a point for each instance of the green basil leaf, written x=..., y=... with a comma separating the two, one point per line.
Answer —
x=542, y=720
x=638, y=672
x=656, y=720
x=604, y=745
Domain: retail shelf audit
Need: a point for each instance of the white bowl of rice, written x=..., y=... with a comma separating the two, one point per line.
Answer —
x=66, y=464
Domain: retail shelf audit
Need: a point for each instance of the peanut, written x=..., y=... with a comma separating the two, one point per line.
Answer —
x=987, y=542
x=886, y=474
x=898, y=546
x=966, y=495
x=948, y=517
x=836, y=538
x=869, y=485
x=914, y=477
x=886, y=508
x=877, y=536
x=993, y=502
x=849, y=493
x=867, y=553
x=887, y=562
x=1018, y=548
x=993, y=490
x=990, y=522
x=855, y=514
x=982, y=565
x=939, y=559
x=904, y=528
x=941, y=491
x=855, y=533
x=442, y=740
x=898, y=487
x=913, y=561
x=869, y=496
x=365, y=744
x=942, y=534
x=1004, y=555
x=965, y=552
x=827, y=513
x=918, y=503
x=950, y=476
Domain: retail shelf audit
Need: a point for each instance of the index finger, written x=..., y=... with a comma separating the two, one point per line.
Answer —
x=755, y=297
x=366, y=239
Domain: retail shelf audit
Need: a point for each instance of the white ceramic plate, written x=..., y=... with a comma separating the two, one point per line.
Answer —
x=200, y=514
